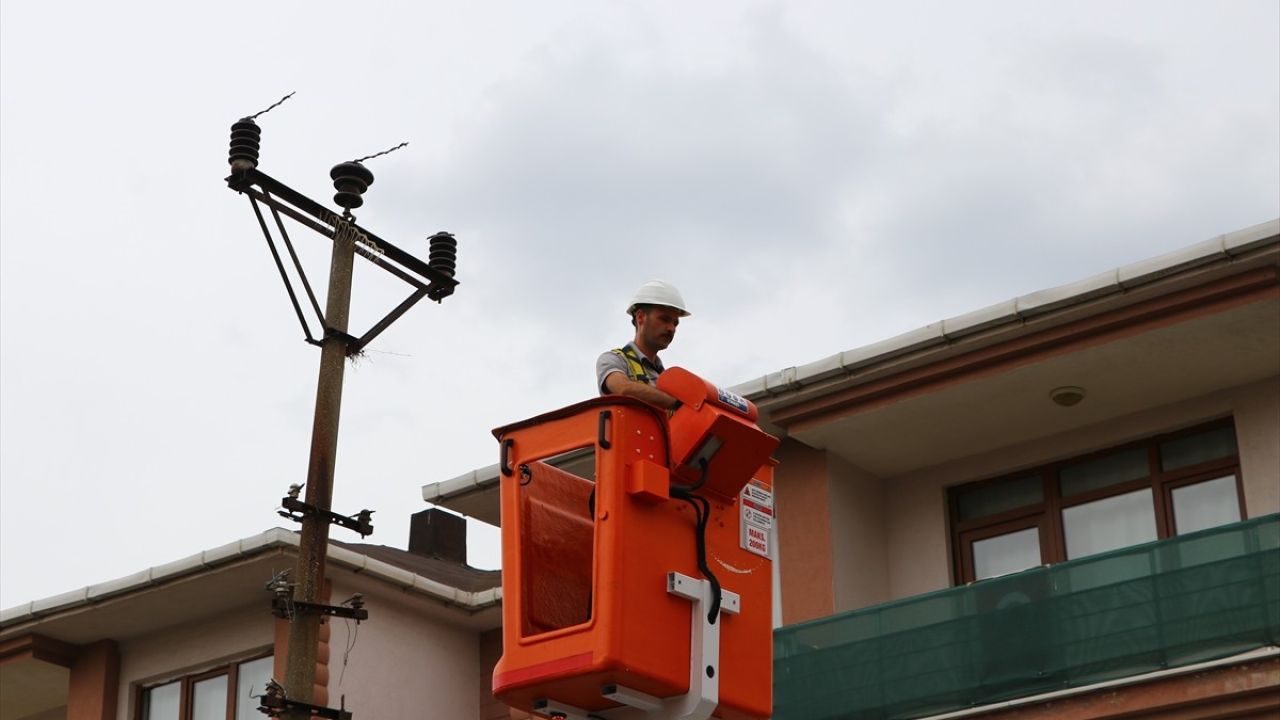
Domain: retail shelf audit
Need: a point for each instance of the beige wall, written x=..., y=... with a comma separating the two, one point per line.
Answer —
x=858, y=534
x=1257, y=414
x=177, y=651
x=878, y=540
x=403, y=664
x=59, y=713
x=408, y=660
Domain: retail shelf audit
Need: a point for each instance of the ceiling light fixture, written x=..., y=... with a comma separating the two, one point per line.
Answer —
x=1067, y=395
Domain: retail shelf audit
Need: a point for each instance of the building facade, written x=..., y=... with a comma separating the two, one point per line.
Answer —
x=196, y=639
x=1020, y=510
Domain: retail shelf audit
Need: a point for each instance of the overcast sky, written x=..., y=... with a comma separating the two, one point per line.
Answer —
x=814, y=176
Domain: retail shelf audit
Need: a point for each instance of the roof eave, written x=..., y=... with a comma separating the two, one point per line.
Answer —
x=273, y=539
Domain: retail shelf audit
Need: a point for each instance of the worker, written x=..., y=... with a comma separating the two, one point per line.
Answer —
x=632, y=370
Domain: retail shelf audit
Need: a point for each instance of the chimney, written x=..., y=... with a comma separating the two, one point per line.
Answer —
x=439, y=534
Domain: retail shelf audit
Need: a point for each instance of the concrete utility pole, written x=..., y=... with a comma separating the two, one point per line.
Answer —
x=299, y=601
x=304, y=631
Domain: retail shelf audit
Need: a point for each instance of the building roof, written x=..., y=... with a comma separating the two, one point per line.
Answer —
x=452, y=574
x=454, y=585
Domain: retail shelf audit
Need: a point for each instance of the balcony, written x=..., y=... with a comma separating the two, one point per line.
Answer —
x=1165, y=604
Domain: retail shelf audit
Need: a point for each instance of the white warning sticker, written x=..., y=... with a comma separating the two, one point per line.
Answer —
x=756, y=501
x=759, y=493
x=755, y=517
x=755, y=539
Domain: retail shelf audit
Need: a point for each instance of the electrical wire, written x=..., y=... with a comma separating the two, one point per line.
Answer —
x=380, y=154
x=273, y=107
x=351, y=644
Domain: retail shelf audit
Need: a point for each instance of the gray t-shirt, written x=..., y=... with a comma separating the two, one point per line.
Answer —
x=609, y=362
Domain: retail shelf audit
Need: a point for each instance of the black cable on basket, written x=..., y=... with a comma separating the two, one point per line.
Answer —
x=702, y=514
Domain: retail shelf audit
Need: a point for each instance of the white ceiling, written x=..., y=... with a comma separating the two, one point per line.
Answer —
x=1124, y=376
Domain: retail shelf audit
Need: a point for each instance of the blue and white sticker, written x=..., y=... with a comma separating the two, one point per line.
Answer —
x=735, y=401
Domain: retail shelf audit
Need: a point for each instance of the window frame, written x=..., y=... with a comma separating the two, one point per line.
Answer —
x=186, y=689
x=1026, y=522
x=1047, y=514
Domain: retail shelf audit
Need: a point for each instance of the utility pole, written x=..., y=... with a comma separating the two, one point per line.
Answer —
x=299, y=601
x=304, y=632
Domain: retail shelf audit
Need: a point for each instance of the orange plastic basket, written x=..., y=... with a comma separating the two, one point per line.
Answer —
x=589, y=535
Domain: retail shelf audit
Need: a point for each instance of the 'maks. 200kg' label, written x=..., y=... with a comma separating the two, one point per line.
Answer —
x=756, y=501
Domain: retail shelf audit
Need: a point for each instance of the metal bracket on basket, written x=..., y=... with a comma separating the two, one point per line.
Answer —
x=704, y=668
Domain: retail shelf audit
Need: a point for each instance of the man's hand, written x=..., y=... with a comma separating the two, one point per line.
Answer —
x=618, y=383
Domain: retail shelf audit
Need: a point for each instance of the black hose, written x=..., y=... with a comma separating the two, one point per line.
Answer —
x=702, y=514
x=697, y=485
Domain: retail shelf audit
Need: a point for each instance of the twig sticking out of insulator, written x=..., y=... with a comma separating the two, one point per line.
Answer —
x=444, y=253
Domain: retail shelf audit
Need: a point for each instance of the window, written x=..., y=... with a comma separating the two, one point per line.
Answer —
x=557, y=524
x=1003, y=554
x=1157, y=488
x=1110, y=523
x=224, y=693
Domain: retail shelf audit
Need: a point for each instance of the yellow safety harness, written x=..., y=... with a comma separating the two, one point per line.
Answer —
x=635, y=368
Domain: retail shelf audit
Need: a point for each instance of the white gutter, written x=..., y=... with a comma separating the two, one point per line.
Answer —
x=1222, y=248
x=275, y=538
x=440, y=492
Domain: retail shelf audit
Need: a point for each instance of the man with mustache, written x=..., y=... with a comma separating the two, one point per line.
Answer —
x=632, y=370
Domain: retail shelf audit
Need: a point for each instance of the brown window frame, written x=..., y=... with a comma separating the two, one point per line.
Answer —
x=188, y=681
x=1047, y=514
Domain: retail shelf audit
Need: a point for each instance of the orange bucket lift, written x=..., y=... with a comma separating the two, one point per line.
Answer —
x=637, y=574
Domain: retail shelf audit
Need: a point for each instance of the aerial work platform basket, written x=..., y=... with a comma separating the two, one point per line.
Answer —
x=637, y=578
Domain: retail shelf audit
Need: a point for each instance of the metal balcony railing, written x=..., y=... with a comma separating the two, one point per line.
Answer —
x=1165, y=604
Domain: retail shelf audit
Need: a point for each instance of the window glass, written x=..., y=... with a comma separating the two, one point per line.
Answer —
x=1206, y=504
x=1109, y=523
x=209, y=699
x=1104, y=471
x=993, y=498
x=161, y=703
x=1008, y=553
x=1201, y=447
x=251, y=681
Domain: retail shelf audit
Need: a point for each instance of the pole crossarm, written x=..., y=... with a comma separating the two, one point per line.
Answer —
x=279, y=706
x=439, y=284
x=427, y=281
x=297, y=510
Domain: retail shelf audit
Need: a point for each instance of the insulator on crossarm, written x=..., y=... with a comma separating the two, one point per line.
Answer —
x=444, y=253
x=351, y=180
x=246, y=140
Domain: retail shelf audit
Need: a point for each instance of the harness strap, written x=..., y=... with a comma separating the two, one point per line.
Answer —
x=635, y=369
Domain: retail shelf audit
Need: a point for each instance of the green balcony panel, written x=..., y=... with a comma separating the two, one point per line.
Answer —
x=1165, y=604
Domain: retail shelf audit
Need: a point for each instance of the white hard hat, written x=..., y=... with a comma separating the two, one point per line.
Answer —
x=658, y=292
